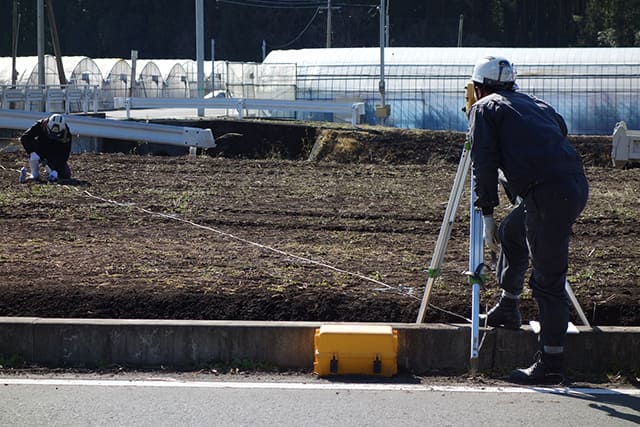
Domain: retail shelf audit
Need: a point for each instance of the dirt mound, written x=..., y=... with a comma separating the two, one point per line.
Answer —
x=393, y=146
x=345, y=237
x=398, y=146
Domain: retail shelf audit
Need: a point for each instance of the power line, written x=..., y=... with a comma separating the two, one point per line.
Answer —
x=301, y=32
x=277, y=4
x=294, y=4
x=291, y=4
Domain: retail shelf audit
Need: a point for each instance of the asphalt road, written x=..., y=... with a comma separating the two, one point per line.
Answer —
x=82, y=400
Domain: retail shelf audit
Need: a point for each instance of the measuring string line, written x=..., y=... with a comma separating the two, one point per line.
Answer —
x=399, y=289
x=250, y=242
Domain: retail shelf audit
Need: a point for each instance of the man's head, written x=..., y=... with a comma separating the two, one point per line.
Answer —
x=57, y=126
x=492, y=74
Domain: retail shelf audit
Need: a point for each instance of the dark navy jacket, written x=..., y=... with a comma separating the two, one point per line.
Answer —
x=522, y=135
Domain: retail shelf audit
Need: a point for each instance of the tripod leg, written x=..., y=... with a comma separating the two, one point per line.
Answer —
x=476, y=271
x=445, y=228
x=576, y=304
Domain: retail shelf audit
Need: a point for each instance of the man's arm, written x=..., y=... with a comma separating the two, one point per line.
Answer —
x=28, y=138
x=562, y=124
x=485, y=156
x=67, y=144
x=559, y=119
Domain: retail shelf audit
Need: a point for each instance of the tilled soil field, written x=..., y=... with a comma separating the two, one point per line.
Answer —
x=345, y=236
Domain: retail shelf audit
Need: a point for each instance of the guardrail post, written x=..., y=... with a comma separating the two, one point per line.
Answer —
x=67, y=107
x=47, y=101
x=240, y=109
x=354, y=115
x=127, y=105
x=357, y=109
x=96, y=93
x=85, y=100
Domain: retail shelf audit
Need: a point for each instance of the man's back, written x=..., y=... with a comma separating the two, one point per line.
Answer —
x=525, y=136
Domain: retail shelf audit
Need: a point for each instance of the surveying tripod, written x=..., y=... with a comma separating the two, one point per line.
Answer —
x=476, y=272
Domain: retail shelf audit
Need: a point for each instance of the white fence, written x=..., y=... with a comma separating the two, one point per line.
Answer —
x=54, y=98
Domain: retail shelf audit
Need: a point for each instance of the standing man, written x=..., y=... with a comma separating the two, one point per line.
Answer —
x=47, y=142
x=526, y=139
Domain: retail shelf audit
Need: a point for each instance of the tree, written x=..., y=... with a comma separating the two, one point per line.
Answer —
x=611, y=23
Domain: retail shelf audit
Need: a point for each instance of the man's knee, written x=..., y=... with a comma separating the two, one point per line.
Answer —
x=547, y=286
x=512, y=227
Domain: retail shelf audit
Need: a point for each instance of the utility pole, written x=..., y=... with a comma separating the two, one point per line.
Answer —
x=383, y=110
x=56, y=42
x=200, y=51
x=132, y=84
x=14, y=44
x=213, y=65
x=386, y=25
x=328, y=24
x=460, y=22
x=40, y=40
x=381, y=84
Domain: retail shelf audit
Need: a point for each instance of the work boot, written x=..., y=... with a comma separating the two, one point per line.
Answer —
x=23, y=176
x=547, y=369
x=506, y=314
x=34, y=165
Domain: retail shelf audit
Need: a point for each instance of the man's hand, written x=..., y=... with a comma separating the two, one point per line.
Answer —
x=491, y=233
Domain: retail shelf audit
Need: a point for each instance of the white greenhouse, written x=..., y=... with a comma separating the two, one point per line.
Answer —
x=116, y=73
x=82, y=71
x=27, y=70
x=176, y=82
x=593, y=88
x=149, y=80
x=191, y=68
x=78, y=70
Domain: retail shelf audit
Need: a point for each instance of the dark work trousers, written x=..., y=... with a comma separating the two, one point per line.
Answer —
x=49, y=155
x=551, y=208
x=540, y=228
x=64, y=171
x=513, y=261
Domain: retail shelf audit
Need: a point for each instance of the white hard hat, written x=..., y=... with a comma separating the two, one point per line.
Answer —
x=57, y=126
x=493, y=71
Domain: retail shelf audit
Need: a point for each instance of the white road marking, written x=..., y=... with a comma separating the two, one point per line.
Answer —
x=320, y=386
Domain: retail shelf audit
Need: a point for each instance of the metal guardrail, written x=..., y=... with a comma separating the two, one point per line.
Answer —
x=117, y=129
x=625, y=145
x=356, y=109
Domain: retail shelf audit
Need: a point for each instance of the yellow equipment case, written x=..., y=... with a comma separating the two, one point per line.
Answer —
x=356, y=350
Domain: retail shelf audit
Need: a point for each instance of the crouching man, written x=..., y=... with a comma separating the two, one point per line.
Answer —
x=48, y=143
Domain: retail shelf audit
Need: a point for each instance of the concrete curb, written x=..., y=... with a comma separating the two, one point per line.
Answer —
x=185, y=344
